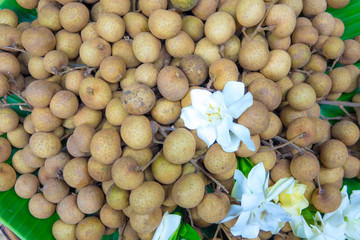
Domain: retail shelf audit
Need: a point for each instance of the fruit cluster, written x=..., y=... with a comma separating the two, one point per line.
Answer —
x=104, y=83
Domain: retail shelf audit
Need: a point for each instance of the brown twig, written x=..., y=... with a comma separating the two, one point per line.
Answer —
x=339, y=103
x=197, y=166
x=16, y=49
x=334, y=63
x=66, y=135
x=291, y=142
x=347, y=113
x=141, y=169
x=11, y=104
x=321, y=190
x=190, y=217
x=258, y=27
x=217, y=231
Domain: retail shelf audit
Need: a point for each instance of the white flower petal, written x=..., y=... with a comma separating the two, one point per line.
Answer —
x=233, y=212
x=217, y=98
x=240, y=227
x=167, y=227
x=276, y=212
x=252, y=231
x=279, y=187
x=239, y=107
x=240, y=186
x=257, y=178
x=233, y=91
x=251, y=201
x=353, y=229
x=207, y=134
x=222, y=131
x=234, y=144
x=300, y=227
x=243, y=133
x=200, y=99
x=273, y=217
x=192, y=118
x=353, y=211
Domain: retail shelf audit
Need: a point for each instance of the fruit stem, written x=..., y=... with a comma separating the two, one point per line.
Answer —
x=334, y=63
x=286, y=142
x=66, y=135
x=304, y=71
x=321, y=190
x=217, y=232
x=133, y=5
x=16, y=49
x=141, y=169
x=197, y=166
x=11, y=104
x=258, y=27
x=347, y=113
x=190, y=217
x=339, y=103
x=225, y=231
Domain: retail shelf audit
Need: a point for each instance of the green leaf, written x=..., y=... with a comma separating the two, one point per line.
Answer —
x=24, y=15
x=245, y=166
x=308, y=215
x=352, y=184
x=188, y=233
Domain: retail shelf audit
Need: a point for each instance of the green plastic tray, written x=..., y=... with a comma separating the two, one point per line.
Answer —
x=14, y=211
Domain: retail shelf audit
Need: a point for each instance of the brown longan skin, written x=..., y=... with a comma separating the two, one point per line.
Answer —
x=110, y=26
x=172, y=83
x=223, y=71
x=90, y=228
x=117, y=198
x=217, y=161
x=179, y=147
x=30, y=40
x=55, y=190
x=9, y=120
x=39, y=93
x=95, y=93
x=61, y=230
x=305, y=167
x=346, y=131
x=166, y=112
x=8, y=177
x=31, y=159
x=90, y=199
x=5, y=149
x=301, y=96
x=5, y=85
x=253, y=55
x=55, y=165
x=93, y=51
x=280, y=170
x=105, y=146
x=268, y=157
x=303, y=125
x=330, y=175
x=76, y=174
x=164, y=171
x=256, y=118
x=136, y=131
x=19, y=164
x=41, y=208
x=321, y=83
x=69, y=43
x=214, y=207
x=125, y=173
x=351, y=167
x=147, y=197
x=329, y=200
x=74, y=16
x=267, y=92
x=138, y=99
x=44, y=120
x=243, y=150
x=164, y=24
x=44, y=144
x=333, y=153
x=112, y=218
x=146, y=223
x=68, y=210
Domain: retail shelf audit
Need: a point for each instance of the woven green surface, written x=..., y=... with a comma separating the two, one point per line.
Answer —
x=14, y=211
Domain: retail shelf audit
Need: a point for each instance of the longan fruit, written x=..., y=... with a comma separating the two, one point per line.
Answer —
x=337, y=4
x=44, y=144
x=88, y=116
x=172, y=83
x=317, y=63
x=135, y=23
x=301, y=96
x=351, y=167
x=19, y=164
x=283, y=17
x=165, y=111
x=93, y=51
x=138, y=99
x=302, y=125
x=10, y=65
x=267, y=92
x=146, y=223
x=31, y=37
x=256, y=118
x=136, y=131
x=74, y=16
x=217, y=161
x=7, y=176
x=268, y=157
x=99, y=171
x=54, y=165
x=219, y=27
x=95, y=93
x=120, y=7
x=332, y=48
x=64, y=104
x=8, y=17
x=90, y=199
x=249, y=13
x=328, y=200
x=55, y=190
x=44, y=120
x=112, y=218
x=5, y=149
x=188, y=190
x=76, y=173
x=214, y=207
x=253, y=55
x=90, y=228
x=193, y=26
x=346, y=131
x=164, y=24
x=41, y=208
x=321, y=83
x=4, y=85
x=147, y=197
x=31, y=159
x=179, y=146
x=110, y=27
x=164, y=171
x=208, y=51
x=105, y=146
x=305, y=167
x=125, y=173
x=333, y=153
x=330, y=175
x=222, y=71
x=117, y=198
x=323, y=130
x=312, y=8
x=69, y=43
x=62, y=231
x=278, y=66
x=244, y=151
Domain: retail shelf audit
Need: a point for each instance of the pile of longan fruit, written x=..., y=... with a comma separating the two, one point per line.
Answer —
x=104, y=82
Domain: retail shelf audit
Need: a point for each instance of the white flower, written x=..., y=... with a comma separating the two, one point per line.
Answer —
x=330, y=227
x=351, y=213
x=168, y=225
x=257, y=211
x=211, y=114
